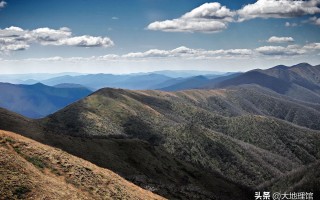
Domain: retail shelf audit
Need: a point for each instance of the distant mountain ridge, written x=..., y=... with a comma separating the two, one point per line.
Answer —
x=302, y=74
x=300, y=78
x=189, y=83
x=32, y=78
x=134, y=81
x=301, y=81
x=97, y=81
x=38, y=100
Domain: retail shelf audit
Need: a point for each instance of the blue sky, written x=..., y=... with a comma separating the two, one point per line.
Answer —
x=94, y=36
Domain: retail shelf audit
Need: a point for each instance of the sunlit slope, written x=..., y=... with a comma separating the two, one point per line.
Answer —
x=30, y=170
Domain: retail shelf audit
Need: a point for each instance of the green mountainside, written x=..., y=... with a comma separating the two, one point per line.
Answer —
x=196, y=140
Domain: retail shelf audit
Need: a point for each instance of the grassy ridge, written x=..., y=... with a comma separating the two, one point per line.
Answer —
x=30, y=170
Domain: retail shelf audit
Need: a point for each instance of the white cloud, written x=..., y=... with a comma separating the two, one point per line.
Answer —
x=288, y=24
x=278, y=9
x=212, y=17
x=210, y=11
x=180, y=52
x=182, y=55
x=3, y=4
x=87, y=41
x=312, y=46
x=232, y=52
x=315, y=20
x=275, y=39
x=207, y=18
x=15, y=38
x=114, y=18
x=149, y=53
x=191, y=25
x=13, y=47
x=290, y=50
x=15, y=33
x=185, y=52
x=62, y=36
x=55, y=58
x=188, y=53
x=46, y=35
x=80, y=41
x=108, y=57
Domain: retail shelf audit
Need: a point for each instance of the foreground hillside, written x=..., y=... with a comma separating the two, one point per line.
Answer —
x=197, y=144
x=30, y=170
x=147, y=165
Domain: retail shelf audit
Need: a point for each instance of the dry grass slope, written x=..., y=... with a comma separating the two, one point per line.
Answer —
x=30, y=170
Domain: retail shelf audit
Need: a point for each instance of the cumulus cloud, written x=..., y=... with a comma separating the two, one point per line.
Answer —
x=13, y=47
x=149, y=53
x=312, y=46
x=189, y=53
x=3, y=4
x=275, y=39
x=278, y=9
x=210, y=11
x=191, y=25
x=207, y=18
x=14, y=33
x=62, y=36
x=315, y=20
x=16, y=38
x=232, y=52
x=109, y=57
x=213, y=17
x=290, y=50
x=47, y=35
x=13, y=39
x=288, y=24
x=87, y=41
x=55, y=58
x=185, y=52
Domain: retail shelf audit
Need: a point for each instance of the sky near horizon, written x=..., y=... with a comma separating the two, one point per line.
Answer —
x=128, y=36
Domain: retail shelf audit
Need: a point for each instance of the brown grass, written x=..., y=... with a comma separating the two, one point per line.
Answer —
x=30, y=170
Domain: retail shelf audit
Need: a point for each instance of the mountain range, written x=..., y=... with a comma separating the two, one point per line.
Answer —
x=131, y=81
x=34, y=99
x=150, y=80
x=220, y=138
x=38, y=100
x=301, y=81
